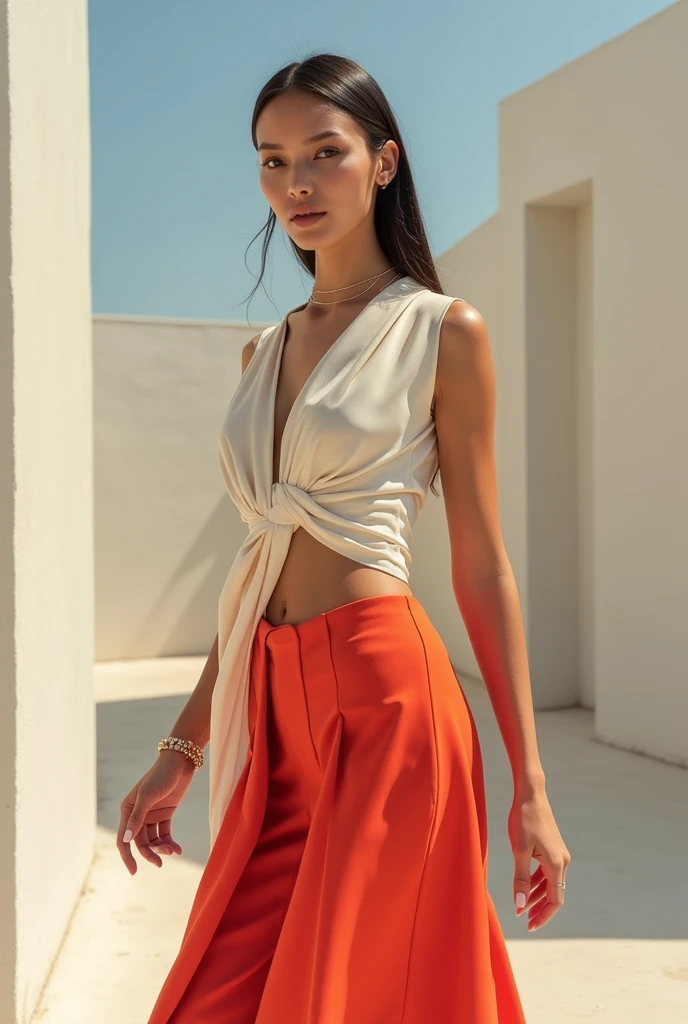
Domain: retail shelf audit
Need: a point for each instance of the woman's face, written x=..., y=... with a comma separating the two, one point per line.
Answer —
x=335, y=174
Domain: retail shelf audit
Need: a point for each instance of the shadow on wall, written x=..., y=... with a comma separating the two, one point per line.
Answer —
x=177, y=605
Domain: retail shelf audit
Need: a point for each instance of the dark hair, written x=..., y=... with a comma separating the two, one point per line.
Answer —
x=398, y=220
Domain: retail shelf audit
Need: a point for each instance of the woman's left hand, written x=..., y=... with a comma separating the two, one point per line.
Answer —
x=533, y=834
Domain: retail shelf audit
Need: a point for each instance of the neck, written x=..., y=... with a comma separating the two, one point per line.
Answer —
x=344, y=266
x=332, y=288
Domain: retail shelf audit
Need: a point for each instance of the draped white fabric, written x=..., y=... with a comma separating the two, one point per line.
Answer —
x=358, y=453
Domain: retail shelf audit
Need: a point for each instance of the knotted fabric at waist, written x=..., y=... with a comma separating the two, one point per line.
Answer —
x=289, y=507
x=342, y=521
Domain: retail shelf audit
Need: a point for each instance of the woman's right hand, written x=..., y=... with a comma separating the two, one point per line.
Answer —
x=148, y=807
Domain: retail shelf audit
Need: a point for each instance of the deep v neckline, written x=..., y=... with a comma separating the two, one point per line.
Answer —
x=283, y=328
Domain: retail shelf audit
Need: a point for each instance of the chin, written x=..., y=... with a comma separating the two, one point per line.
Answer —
x=308, y=242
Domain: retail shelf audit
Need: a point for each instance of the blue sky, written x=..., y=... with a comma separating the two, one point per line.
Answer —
x=176, y=198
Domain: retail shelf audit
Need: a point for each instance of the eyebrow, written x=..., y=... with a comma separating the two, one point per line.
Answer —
x=328, y=134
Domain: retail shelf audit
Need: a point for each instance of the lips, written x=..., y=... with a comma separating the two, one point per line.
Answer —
x=308, y=218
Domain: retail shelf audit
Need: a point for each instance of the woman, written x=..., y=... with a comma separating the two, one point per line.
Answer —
x=346, y=882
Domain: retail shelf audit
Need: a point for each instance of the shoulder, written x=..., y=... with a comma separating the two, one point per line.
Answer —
x=247, y=352
x=462, y=325
x=464, y=358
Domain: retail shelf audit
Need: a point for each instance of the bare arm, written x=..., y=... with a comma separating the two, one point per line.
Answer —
x=487, y=596
x=482, y=577
x=193, y=722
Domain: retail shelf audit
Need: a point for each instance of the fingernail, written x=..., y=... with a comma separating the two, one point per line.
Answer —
x=127, y=837
x=520, y=899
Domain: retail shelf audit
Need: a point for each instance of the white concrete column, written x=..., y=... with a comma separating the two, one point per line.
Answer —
x=47, y=722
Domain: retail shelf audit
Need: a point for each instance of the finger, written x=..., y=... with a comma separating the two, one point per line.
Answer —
x=125, y=848
x=160, y=839
x=151, y=831
x=536, y=893
x=136, y=828
x=160, y=846
x=146, y=850
x=540, y=914
x=164, y=828
x=535, y=879
x=538, y=883
x=538, y=905
x=555, y=891
x=521, y=880
x=545, y=909
x=158, y=843
x=137, y=815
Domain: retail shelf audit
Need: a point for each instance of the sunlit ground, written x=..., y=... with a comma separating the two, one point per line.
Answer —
x=616, y=952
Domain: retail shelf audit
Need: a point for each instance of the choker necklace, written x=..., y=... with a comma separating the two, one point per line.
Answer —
x=327, y=291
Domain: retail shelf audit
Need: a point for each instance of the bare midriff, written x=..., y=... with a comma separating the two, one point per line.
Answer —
x=316, y=579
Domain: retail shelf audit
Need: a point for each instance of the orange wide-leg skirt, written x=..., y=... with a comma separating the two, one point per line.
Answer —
x=348, y=882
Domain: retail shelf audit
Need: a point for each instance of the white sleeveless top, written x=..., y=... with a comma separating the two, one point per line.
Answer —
x=358, y=453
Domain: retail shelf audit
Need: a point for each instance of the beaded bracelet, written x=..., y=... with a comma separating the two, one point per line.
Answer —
x=192, y=750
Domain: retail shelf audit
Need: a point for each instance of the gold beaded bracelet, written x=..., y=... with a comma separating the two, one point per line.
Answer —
x=192, y=750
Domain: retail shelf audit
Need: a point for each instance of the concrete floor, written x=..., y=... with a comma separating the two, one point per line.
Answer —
x=616, y=952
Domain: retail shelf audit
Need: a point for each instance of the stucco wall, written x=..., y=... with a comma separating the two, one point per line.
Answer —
x=592, y=370
x=469, y=272
x=166, y=531
x=47, y=724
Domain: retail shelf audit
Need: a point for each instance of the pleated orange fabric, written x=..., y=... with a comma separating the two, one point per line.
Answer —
x=348, y=882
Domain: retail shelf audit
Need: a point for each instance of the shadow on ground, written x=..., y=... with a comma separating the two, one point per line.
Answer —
x=623, y=816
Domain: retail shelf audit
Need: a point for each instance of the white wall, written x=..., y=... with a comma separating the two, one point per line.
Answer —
x=47, y=725
x=471, y=273
x=592, y=373
x=166, y=531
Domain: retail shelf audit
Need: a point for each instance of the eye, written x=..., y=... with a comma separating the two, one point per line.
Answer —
x=271, y=158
